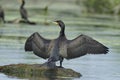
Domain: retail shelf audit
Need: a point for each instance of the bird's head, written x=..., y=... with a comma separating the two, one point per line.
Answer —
x=60, y=23
x=62, y=26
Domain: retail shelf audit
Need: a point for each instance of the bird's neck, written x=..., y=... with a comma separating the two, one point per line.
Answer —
x=22, y=5
x=62, y=32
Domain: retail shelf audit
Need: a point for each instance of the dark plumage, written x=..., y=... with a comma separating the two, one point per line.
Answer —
x=23, y=11
x=60, y=48
x=24, y=14
x=2, y=15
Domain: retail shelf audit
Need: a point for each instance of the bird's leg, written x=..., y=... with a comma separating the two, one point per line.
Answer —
x=61, y=60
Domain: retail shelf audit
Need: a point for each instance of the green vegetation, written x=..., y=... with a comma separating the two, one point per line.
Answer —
x=102, y=6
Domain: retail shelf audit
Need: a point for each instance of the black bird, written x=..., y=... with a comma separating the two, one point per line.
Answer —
x=24, y=14
x=60, y=48
x=2, y=15
x=23, y=11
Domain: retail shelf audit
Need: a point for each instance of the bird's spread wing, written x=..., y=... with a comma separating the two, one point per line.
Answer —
x=38, y=45
x=83, y=45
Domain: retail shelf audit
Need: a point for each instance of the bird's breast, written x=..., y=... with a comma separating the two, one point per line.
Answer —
x=58, y=48
x=63, y=49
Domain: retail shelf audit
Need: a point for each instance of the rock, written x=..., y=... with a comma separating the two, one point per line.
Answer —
x=35, y=70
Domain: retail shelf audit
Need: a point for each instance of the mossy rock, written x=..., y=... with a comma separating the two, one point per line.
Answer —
x=35, y=70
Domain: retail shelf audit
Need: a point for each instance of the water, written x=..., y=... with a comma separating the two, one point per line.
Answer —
x=92, y=67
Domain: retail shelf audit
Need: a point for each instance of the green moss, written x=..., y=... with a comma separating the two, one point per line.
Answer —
x=27, y=71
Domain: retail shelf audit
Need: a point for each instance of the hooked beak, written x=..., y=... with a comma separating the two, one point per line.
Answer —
x=54, y=22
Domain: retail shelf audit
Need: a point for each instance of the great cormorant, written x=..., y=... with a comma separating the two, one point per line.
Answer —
x=23, y=11
x=24, y=14
x=2, y=15
x=60, y=48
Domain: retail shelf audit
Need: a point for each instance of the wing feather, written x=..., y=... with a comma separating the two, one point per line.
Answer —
x=38, y=45
x=83, y=45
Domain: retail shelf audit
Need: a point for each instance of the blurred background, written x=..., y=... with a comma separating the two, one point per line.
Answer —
x=99, y=19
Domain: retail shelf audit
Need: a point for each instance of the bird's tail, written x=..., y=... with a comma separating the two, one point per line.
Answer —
x=49, y=64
